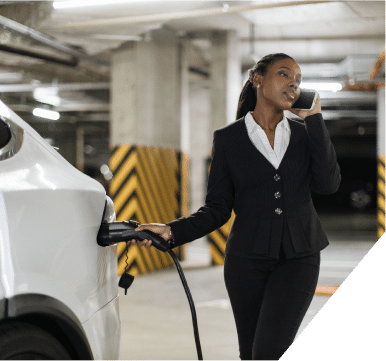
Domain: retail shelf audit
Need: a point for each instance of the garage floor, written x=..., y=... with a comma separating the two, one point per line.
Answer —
x=155, y=314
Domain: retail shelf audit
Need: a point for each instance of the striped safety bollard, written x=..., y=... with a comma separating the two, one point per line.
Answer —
x=381, y=196
x=149, y=186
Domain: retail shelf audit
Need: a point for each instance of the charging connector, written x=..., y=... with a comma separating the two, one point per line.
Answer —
x=115, y=232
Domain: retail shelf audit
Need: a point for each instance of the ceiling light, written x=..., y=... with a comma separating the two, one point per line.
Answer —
x=48, y=95
x=44, y=113
x=11, y=77
x=82, y=3
x=117, y=37
x=334, y=87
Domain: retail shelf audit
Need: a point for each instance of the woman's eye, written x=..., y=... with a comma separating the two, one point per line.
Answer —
x=281, y=73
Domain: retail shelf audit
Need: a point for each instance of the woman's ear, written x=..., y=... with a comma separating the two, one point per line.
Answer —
x=257, y=80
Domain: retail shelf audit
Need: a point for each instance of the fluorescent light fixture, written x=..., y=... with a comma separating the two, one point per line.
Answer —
x=47, y=95
x=334, y=87
x=117, y=37
x=44, y=113
x=82, y=3
x=10, y=77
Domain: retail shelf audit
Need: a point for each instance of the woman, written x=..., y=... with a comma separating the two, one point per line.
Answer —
x=264, y=167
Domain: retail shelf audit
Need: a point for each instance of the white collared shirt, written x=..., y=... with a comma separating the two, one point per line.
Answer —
x=260, y=140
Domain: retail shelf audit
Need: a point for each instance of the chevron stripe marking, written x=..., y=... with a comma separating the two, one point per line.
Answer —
x=125, y=193
x=381, y=171
x=121, y=186
x=381, y=219
x=169, y=167
x=131, y=208
x=119, y=177
x=169, y=191
x=155, y=256
x=381, y=203
x=169, y=180
x=217, y=258
x=118, y=156
x=155, y=190
x=129, y=153
x=381, y=187
x=163, y=181
x=148, y=193
x=219, y=240
x=133, y=186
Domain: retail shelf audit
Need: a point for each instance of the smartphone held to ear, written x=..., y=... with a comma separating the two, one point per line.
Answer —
x=306, y=100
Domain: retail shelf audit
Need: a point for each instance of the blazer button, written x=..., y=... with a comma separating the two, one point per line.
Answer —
x=277, y=195
x=278, y=211
x=276, y=177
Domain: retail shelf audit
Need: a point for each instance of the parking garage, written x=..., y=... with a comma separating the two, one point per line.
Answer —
x=130, y=93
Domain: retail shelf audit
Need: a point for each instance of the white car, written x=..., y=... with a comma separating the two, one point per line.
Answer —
x=58, y=288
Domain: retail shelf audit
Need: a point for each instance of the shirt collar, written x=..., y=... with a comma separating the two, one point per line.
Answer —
x=252, y=126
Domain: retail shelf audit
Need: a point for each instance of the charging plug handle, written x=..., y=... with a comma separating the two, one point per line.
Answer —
x=115, y=232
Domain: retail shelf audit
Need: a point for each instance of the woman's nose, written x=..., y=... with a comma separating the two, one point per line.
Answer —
x=294, y=84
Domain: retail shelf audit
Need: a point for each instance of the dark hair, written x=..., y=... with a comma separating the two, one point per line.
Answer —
x=247, y=99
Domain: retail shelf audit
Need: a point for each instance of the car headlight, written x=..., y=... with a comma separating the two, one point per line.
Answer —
x=109, y=212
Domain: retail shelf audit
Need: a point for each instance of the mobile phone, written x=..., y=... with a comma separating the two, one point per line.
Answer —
x=306, y=100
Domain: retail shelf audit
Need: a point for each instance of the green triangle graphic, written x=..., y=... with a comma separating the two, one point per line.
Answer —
x=352, y=324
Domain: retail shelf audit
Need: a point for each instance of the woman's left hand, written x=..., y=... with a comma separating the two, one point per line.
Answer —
x=303, y=113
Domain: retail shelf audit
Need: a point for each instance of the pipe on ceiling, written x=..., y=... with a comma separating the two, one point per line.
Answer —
x=47, y=40
x=22, y=88
x=10, y=49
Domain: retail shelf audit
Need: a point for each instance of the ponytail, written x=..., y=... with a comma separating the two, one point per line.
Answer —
x=247, y=99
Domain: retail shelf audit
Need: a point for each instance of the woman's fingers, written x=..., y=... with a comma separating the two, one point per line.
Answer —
x=159, y=228
x=145, y=243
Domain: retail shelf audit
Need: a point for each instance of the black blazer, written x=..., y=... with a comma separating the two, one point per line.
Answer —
x=272, y=206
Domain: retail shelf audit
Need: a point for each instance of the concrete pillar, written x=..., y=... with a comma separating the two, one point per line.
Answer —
x=79, y=150
x=226, y=85
x=381, y=161
x=226, y=82
x=198, y=252
x=145, y=104
x=149, y=127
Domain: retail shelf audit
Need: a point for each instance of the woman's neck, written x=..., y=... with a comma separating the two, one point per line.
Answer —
x=267, y=117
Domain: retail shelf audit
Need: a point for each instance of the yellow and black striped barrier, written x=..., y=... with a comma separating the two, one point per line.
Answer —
x=150, y=186
x=381, y=196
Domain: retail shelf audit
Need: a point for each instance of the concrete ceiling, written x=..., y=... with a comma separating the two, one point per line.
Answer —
x=327, y=39
x=322, y=32
x=318, y=34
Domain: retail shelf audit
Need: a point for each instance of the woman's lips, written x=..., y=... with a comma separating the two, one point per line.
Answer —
x=290, y=95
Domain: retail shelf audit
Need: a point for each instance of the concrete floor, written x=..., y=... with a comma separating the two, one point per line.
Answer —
x=155, y=314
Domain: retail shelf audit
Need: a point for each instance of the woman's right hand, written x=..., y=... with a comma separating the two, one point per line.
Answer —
x=162, y=229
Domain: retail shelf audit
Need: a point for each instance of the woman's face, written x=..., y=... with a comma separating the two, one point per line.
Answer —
x=280, y=85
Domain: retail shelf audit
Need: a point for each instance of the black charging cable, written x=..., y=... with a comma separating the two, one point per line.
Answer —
x=191, y=303
x=115, y=232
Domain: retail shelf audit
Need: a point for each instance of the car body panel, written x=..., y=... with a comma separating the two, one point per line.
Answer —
x=104, y=325
x=50, y=214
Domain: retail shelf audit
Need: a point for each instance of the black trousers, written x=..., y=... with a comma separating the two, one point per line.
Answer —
x=269, y=299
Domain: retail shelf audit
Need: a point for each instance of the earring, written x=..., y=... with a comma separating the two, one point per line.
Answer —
x=258, y=85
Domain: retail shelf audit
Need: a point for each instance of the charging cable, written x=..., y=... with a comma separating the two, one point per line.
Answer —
x=115, y=232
